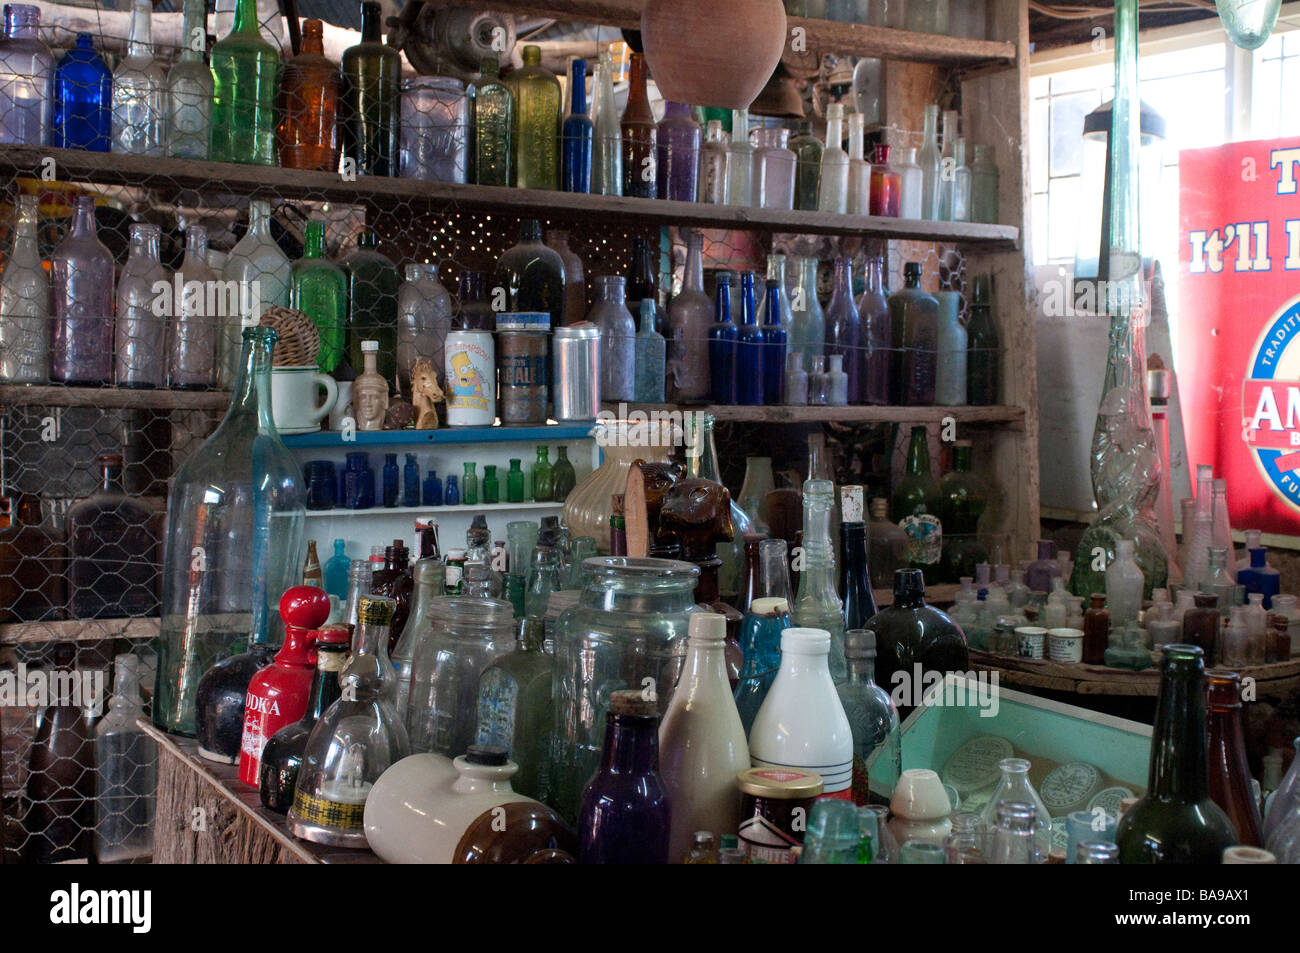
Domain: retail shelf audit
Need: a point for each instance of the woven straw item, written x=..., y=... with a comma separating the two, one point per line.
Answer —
x=297, y=341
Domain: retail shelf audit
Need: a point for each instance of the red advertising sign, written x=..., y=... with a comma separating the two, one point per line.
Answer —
x=1237, y=341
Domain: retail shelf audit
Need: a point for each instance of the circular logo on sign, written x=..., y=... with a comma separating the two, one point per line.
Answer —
x=1270, y=403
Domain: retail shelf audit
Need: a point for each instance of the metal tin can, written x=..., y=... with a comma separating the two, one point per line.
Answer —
x=577, y=372
x=471, y=379
x=774, y=811
x=522, y=341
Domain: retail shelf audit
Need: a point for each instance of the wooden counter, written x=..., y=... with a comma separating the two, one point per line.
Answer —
x=1275, y=679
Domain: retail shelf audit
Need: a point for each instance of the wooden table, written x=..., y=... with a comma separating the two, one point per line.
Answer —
x=206, y=815
x=1269, y=680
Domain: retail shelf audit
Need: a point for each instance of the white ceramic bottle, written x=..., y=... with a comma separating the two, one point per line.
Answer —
x=834, y=194
x=801, y=723
x=702, y=742
x=1123, y=586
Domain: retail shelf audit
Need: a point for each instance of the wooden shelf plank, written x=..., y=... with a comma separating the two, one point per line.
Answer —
x=77, y=630
x=333, y=439
x=56, y=395
x=1013, y=416
x=222, y=177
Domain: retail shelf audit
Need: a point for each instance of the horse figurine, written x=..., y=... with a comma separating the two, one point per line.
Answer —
x=425, y=394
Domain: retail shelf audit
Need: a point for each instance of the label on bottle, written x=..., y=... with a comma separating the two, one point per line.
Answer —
x=924, y=539
x=335, y=814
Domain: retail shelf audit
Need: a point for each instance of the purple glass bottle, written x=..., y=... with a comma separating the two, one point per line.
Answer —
x=679, y=154
x=624, y=817
x=1039, y=575
x=844, y=326
x=873, y=310
x=26, y=79
x=82, y=296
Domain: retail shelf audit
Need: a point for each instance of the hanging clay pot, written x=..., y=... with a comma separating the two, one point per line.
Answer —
x=717, y=54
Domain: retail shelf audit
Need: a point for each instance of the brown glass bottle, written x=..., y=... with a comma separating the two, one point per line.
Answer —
x=33, y=558
x=642, y=286
x=1229, y=770
x=1096, y=630
x=1201, y=626
x=61, y=778
x=395, y=580
x=640, y=136
x=309, y=95
x=112, y=552
x=749, y=586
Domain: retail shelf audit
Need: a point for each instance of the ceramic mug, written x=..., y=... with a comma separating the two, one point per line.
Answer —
x=295, y=396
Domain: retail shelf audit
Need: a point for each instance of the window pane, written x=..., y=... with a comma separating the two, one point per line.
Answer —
x=1062, y=211
x=1067, y=114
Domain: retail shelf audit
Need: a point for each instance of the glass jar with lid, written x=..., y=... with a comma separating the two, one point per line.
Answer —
x=468, y=634
x=434, y=139
x=628, y=630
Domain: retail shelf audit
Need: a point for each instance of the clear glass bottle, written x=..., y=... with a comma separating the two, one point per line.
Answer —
x=246, y=86
x=930, y=161
x=984, y=186
x=141, y=332
x=607, y=150
x=423, y=320
x=844, y=327
x=960, y=184
x=818, y=606
x=911, y=186
x=125, y=772
x=193, y=338
x=189, y=88
x=536, y=130
x=617, y=340
x=369, y=97
x=1014, y=786
x=807, y=321
x=713, y=186
x=26, y=79
x=309, y=103
x=872, y=715
x=83, y=99
x=81, y=289
x=112, y=551
x=1015, y=832
x=640, y=136
x=949, y=120
x=264, y=276
x=742, y=189
x=494, y=118
x=543, y=579
x=950, y=351
x=516, y=708
x=808, y=148
x=690, y=316
x=139, y=91
x=914, y=325
x=784, y=316
x=875, y=360
x=774, y=169
x=433, y=122
x=234, y=542
x=25, y=303
x=833, y=192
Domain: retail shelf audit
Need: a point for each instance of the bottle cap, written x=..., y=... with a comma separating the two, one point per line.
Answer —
x=769, y=605
x=633, y=702
x=369, y=346
x=806, y=641
x=707, y=627
x=491, y=755
x=784, y=784
x=333, y=635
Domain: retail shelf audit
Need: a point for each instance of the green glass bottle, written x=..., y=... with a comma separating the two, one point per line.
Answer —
x=982, y=348
x=372, y=74
x=246, y=84
x=320, y=291
x=515, y=483
x=543, y=485
x=494, y=116
x=563, y=478
x=962, y=500
x=469, y=486
x=915, y=509
x=491, y=489
x=516, y=707
x=372, y=303
x=1177, y=822
x=536, y=127
x=808, y=176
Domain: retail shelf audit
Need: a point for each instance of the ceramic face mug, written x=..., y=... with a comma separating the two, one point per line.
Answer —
x=295, y=395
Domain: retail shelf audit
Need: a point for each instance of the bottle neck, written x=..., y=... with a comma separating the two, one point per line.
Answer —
x=325, y=683
x=631, y=746
x=578, y=99
x=314, y=241
x=112, y=479
x=694, y=276
x=83, y=219
x=930, y=131
x=862, y=671
x=246, y=17
x=774, y=306
x=918, y=455
x=194, y=27
x=1178, y=753
x=722, y=303
x=141, y=43
x=313, y=43
x=843, y=276
x=370, y=21
x=637, y=98
x=252, y=395
x=297, y=651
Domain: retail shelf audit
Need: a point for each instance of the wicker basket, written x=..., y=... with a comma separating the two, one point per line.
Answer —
x=297, y=341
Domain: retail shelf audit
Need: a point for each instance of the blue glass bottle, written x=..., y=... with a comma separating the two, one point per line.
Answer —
x=432, y=489
x=83, y=98
x=749, y=348
x=760, y=638
x=336, y=571
x=722, y=346
x=1259, y=576
x=452, y=497
x=411, y=482
x=390, y=479
x=774, y=341
x=358, y=482
x=577, y=135
x=651, y=356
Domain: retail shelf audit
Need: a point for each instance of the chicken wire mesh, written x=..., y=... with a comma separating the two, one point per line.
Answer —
x=86, y=476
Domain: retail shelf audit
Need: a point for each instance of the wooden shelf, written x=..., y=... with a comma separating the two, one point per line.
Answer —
x=77, y=630
x=333, y=439
x=1011, y=416
x=172, y=175
x=57, y=395
x=821, y=36
x=413, y=512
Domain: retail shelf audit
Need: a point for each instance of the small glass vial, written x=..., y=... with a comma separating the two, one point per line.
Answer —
x=796, y=379
x=713, y=166
x=819, y=382
x=839, y=382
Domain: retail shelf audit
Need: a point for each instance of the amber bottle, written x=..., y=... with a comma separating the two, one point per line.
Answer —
x=309, y=95
x=1201, y=626
x=1096, y=630
x=640, y=136
x=1229, y=770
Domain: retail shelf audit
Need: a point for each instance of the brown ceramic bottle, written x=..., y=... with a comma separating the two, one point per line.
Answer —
x=309, y=96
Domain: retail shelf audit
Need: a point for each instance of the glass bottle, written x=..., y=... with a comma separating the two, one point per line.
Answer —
x=141, y=331
x=713, y=188
x=33, y=563
x=948, y=123
x=1222, y=534
x=429, y=584
x=494, y=119
x=112, y=551
x=83, y=99
x=516, y=707
x=25, y=303
x=640, y=136
x=617, y=340
x=643, y=283
x=372, y=303
x=26, y=79
x=543, y=578
x=873, y=719
x=875, y=365
x=139, y=91
x=833, y=193
x=678, y=157
x=750, y=347
x=577, y=134
x=335, y=572
x=1229, y=774
x=575, y=281
x=702, y=743
x=818, y=605
x=224, y=567
x=911, y=186
x=1041, y=572
x=690, y=317
x=886, y=186
x=1096, y=630
x=962, y=499
x=844, y=326
x=368, y=98
x=491, y=486
x=245, y=76
x=1014, y=833
x=649, y=359
x=982, y=347
x=309, y=105
x=950, y=351
x=563, y=477
x=469, y=481
x=320, y=290
x=914, y=324
x=264, y=276
x=766, y=618
x=909, y=633
x=1218, y=581
x=959, y=185
x=774, y=342
x=1124, y=586
x=984, y=186
x=192, y=354
x=515, y=483
x=189, y=88
x=125, y=772
x=81, y=282
x=624, y=816
x=723, y=342
x=536, y=130
x=886, y=545
x=60, y=790
x=704, y=849
x=915, y=505
x=742, y=189
x=351, y=745
x=423, y=320
x=1014, y=786
x=929, y=160
x=533, y=277
x=774, y=169
x=542, y=475
x=807, y=321
x=855, y=577
x=1177, y=821
x=607, y=157
x=808, y=150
